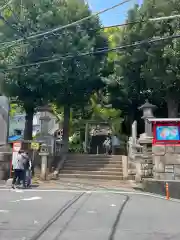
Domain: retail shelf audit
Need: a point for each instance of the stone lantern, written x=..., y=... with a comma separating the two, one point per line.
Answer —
x=147, y=110
x=45, y=119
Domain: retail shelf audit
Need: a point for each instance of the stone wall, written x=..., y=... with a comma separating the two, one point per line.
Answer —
x=5, y=165
x=159, y=187
x=166, y=160
x=140, y=162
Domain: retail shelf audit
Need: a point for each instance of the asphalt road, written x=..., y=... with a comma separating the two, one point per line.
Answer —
x=77, y=215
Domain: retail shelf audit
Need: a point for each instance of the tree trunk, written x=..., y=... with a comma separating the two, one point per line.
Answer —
x=172, y=105
x=28, y=124
x=66, y=129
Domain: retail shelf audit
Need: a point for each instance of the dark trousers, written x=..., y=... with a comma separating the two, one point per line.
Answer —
x=18, y=175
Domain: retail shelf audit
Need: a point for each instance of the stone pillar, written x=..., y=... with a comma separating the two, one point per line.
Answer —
x=86, y=137
x=4, y=120
x=125, y=166
x=134, y=132
x=138, y=176
x=44, y=160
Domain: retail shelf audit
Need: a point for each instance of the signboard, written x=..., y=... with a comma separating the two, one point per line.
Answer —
x=35, y=145
x=166, y=131
x=169, y=168
x=16, y=146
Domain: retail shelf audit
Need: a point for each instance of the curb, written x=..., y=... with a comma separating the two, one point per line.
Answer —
x=2, y=182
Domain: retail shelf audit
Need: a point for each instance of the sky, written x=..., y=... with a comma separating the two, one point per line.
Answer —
x=115, y=16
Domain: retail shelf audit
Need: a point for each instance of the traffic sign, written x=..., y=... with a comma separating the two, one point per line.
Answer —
x=35, y=145
x=16, y=146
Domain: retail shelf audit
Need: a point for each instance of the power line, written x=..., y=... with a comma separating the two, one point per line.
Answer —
x=74, y=23
x=165, y=17
x=118, y=25
x=66, y=57
x=22, y=30
x=5, y=5
x=143, y=21
x=37, y=35
x=123, y=24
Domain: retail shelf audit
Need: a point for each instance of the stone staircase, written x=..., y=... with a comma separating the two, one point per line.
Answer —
x=92, y=167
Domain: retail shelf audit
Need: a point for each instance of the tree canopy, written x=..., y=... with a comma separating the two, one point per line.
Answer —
x=66, y=82
x=151, y=69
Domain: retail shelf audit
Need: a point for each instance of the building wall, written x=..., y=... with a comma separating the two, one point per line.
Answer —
x=18, y=122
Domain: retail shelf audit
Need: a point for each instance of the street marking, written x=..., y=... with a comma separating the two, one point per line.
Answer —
x=28, y=199
x=36, y=222
x=88, y=192
x=18, y=191
x=113, y=205
x=4, y=211
x=91, y=211
x=32, y=198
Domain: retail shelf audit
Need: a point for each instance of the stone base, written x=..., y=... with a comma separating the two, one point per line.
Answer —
x=5, y=163
x=166, y=166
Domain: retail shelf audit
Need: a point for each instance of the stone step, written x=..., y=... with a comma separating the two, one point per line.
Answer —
x=90, y=168
x=95, y=158
x=90, y=165
x=94, y=172
x=89, y=156
x=90, y=176
x=93, y=161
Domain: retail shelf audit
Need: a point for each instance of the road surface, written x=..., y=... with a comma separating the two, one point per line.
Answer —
x=43, y=214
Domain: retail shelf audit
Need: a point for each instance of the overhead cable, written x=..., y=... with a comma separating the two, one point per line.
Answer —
x=81, y=54
x=42, y=34
x=143, y=21
x=5, y=5
x=12, y=43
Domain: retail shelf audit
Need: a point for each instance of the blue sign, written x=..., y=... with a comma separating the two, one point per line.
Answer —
x=167, y=133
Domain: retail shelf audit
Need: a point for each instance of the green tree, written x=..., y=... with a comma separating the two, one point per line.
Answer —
x=14, y=109
x=67, y=82
x=103, y=111
x=125, y=85
x=162, y=69
x=28, y=85
x=79, y=76
x=151, y=70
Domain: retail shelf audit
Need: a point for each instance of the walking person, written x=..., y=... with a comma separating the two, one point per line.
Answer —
x=107, y=145
x=18, y=167
x=27, y=169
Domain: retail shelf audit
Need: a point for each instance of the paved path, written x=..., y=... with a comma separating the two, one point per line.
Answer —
x=75, y=183
x=59, y=214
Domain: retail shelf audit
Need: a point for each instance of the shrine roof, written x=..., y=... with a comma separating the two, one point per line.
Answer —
x=163, y=119
x=147, y=104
